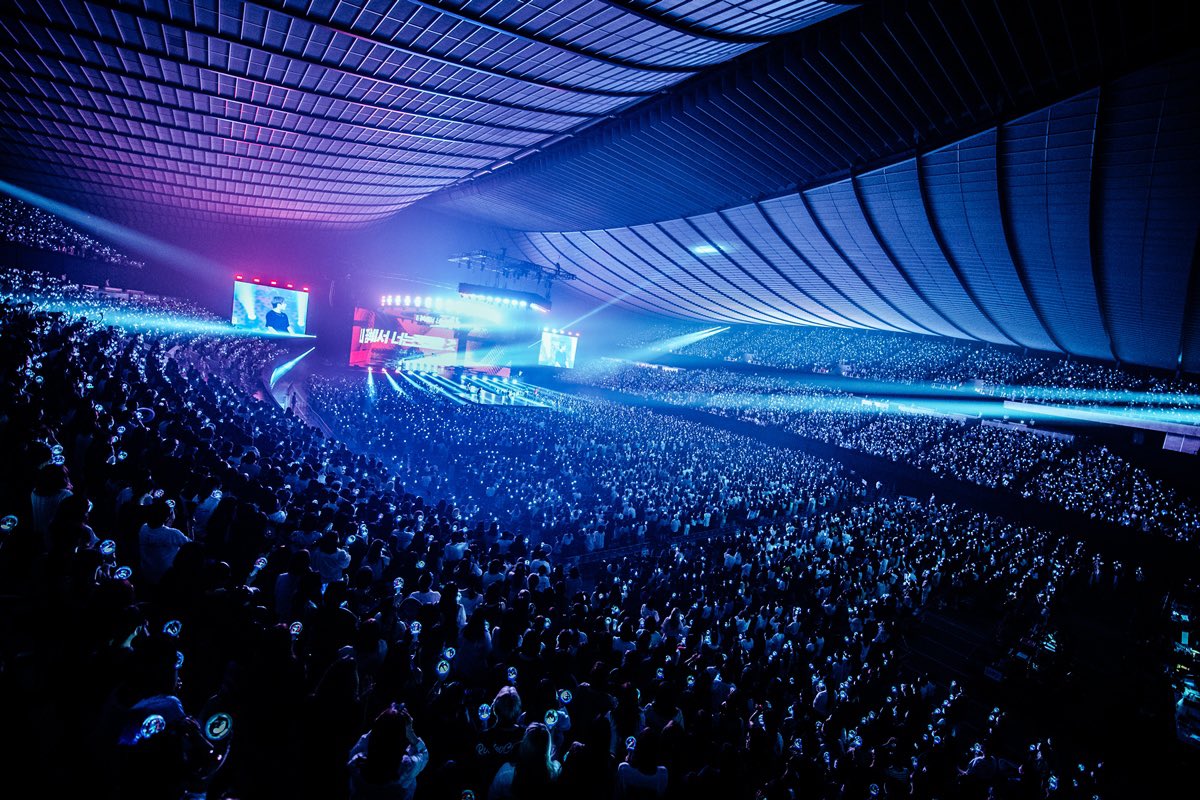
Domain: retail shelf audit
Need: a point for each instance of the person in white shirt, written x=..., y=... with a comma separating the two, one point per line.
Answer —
x=425, y=595
x=329, y=560
x=158, y=543
x=205, y=507
x=387, y=760
x=640, y=774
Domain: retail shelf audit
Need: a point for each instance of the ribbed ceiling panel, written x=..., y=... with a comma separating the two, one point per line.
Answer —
x=1046, y=171
x=858, y=91
x=960, y=182
x=892, y=198
x=842, y=219
x=1147, y=185
x=743, y=256
x=753, y=228
x=330, y=112
x=1061, y=230
x=793, y=218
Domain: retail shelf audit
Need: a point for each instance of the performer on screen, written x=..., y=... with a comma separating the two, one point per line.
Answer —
x=562, y=352
x=277, y=320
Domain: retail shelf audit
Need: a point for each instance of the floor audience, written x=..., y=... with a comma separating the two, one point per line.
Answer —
x=467, y=601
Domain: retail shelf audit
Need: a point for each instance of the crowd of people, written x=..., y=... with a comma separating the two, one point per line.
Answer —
x=28, y=225
x=1106, y=486
x=594, y=474
x=151, y=313
x=990, y=369
x=1066, y=471
x=996, y=456
x=213, y=598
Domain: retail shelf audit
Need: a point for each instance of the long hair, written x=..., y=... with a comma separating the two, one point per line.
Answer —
x=507, y=705
x=534, y=768
x=385, y=747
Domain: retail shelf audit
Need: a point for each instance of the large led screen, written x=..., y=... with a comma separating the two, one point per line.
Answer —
x=378, y=339
x=269, y=309
x=557, y=350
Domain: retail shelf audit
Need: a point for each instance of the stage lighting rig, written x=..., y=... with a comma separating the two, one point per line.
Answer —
x=504, y=297
x=512, y=280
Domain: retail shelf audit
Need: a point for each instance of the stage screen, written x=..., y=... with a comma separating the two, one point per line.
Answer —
x=557, y=350
x=378, y=339
x=269, y=309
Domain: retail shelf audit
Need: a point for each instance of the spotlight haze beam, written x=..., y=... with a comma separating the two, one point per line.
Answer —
x=1114, y=397
x=138, y=321
x=392, y=381
x=156, y=323
x=967, y=407
x=673, y=343
x=118, y=234
x=612, y=301
x=284, y=369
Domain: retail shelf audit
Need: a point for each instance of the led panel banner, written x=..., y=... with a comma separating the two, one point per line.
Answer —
x=557, y=350
x=269, y=309
x=384, y=340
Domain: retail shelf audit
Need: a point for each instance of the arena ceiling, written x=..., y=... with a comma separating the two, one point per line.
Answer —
x=327, y=112
x=1016, y=171
x=1034, y=181
x=1071, y=229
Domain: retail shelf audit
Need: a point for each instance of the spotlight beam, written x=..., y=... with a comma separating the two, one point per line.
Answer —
x=145, y=245
x=673, y=343
x=284, y=369
x=392, y=381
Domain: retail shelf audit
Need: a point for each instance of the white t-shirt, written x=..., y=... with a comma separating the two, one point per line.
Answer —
x=330, y=565
x=204, y=513
x=158, y=547
x=427, y=598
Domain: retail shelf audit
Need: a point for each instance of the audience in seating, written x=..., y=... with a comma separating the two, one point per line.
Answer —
x=908, y=358
x=1079, y=475
x=216, y=598
x=24, y=224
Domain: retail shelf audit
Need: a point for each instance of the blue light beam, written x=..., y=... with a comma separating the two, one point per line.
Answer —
x=284, y=369
x=118, y=234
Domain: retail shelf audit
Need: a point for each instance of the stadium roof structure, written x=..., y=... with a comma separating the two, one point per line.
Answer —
x=1023, y=172
x=330, y=112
